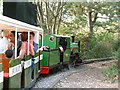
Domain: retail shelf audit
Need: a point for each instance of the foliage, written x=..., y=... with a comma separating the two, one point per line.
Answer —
x=103, y=44
x=116, y=54
x=108, y=12
x=103, y=17
x=112, y=72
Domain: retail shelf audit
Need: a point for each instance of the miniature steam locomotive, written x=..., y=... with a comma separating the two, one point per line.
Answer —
x=54, y=51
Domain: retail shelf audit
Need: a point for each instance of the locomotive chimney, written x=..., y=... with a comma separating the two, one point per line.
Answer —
x=73, y=38
x=78, y=46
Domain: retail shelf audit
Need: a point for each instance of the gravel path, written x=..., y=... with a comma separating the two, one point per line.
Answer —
x=85, y=76
x=50, y=81
x=91, y=77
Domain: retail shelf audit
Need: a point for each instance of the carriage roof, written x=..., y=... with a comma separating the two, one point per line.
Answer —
x=10, y=24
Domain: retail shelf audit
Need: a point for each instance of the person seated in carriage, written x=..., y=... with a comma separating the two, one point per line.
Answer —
x=22, y=45
x=3, y=41
x=35, y=45
x=11, y=44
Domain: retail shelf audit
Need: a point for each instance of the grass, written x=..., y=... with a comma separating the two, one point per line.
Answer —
x=112, y=72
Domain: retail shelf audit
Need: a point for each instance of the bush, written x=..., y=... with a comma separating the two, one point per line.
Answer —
x=112, y=72
x=102, y=49
x=102, y=45
x=116, y=54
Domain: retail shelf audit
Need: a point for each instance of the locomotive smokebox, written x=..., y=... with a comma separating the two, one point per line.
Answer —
x=73, y=39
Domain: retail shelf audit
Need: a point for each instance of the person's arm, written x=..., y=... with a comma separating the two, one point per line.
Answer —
x=8, y=46
x=32, y=50
x=22, y=51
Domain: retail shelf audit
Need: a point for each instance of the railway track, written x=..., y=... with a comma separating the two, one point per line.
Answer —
x=96, y=60
x=50, y=80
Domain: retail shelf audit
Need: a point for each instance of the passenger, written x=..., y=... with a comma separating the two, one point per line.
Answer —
x=24, y=51
x=35, y=48
x=11, y=45
x=35, y=45
x=3, y=41
x=24, y=47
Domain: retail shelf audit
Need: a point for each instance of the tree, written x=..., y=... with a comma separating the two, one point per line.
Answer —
x=49, y=16
x=88, y=15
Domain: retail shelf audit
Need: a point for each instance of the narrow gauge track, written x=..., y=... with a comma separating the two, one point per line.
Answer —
x=96, y=60
x=48, y=81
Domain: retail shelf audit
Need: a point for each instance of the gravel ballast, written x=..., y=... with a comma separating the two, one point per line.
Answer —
x=84, y=76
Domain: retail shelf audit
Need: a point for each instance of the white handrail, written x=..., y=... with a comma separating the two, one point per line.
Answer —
x=16, y=43
x=28, y=42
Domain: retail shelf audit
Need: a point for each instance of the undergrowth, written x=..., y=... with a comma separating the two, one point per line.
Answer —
x=112, y=72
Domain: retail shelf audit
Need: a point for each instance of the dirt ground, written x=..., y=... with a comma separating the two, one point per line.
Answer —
x=89, y=76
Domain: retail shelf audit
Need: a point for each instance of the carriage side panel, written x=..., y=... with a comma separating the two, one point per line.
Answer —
x=15, y=73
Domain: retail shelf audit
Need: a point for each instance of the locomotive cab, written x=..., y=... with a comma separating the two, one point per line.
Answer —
x=58, y=52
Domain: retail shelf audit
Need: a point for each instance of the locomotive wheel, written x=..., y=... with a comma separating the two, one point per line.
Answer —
x=72, y=63
x=69, y=67
x=72, y=60
x=61, y=67
x=77, y=58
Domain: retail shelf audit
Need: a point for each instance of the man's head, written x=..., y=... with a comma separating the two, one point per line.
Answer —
x=12, y=36
x=24, y=36
x=32, y=35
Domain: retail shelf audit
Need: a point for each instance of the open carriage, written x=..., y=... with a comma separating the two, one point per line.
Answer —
x=19, y=73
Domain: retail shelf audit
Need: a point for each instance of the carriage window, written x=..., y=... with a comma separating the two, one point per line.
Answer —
x=40, y=40
x=40, y=37
x=51, y=38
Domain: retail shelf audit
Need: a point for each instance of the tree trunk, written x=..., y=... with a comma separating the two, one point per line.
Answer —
x=90, y=34
x=90, y=25
x=47, y=16
x=54, y=25
x=90, y=28
x=59, y=22
x=40, y=14
x=55, y=18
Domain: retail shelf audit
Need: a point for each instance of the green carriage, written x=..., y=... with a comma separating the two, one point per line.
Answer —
x=18, y=73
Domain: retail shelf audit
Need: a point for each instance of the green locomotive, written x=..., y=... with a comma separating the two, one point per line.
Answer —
x=75, y=52
x=56, y=53
x=60, y=51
